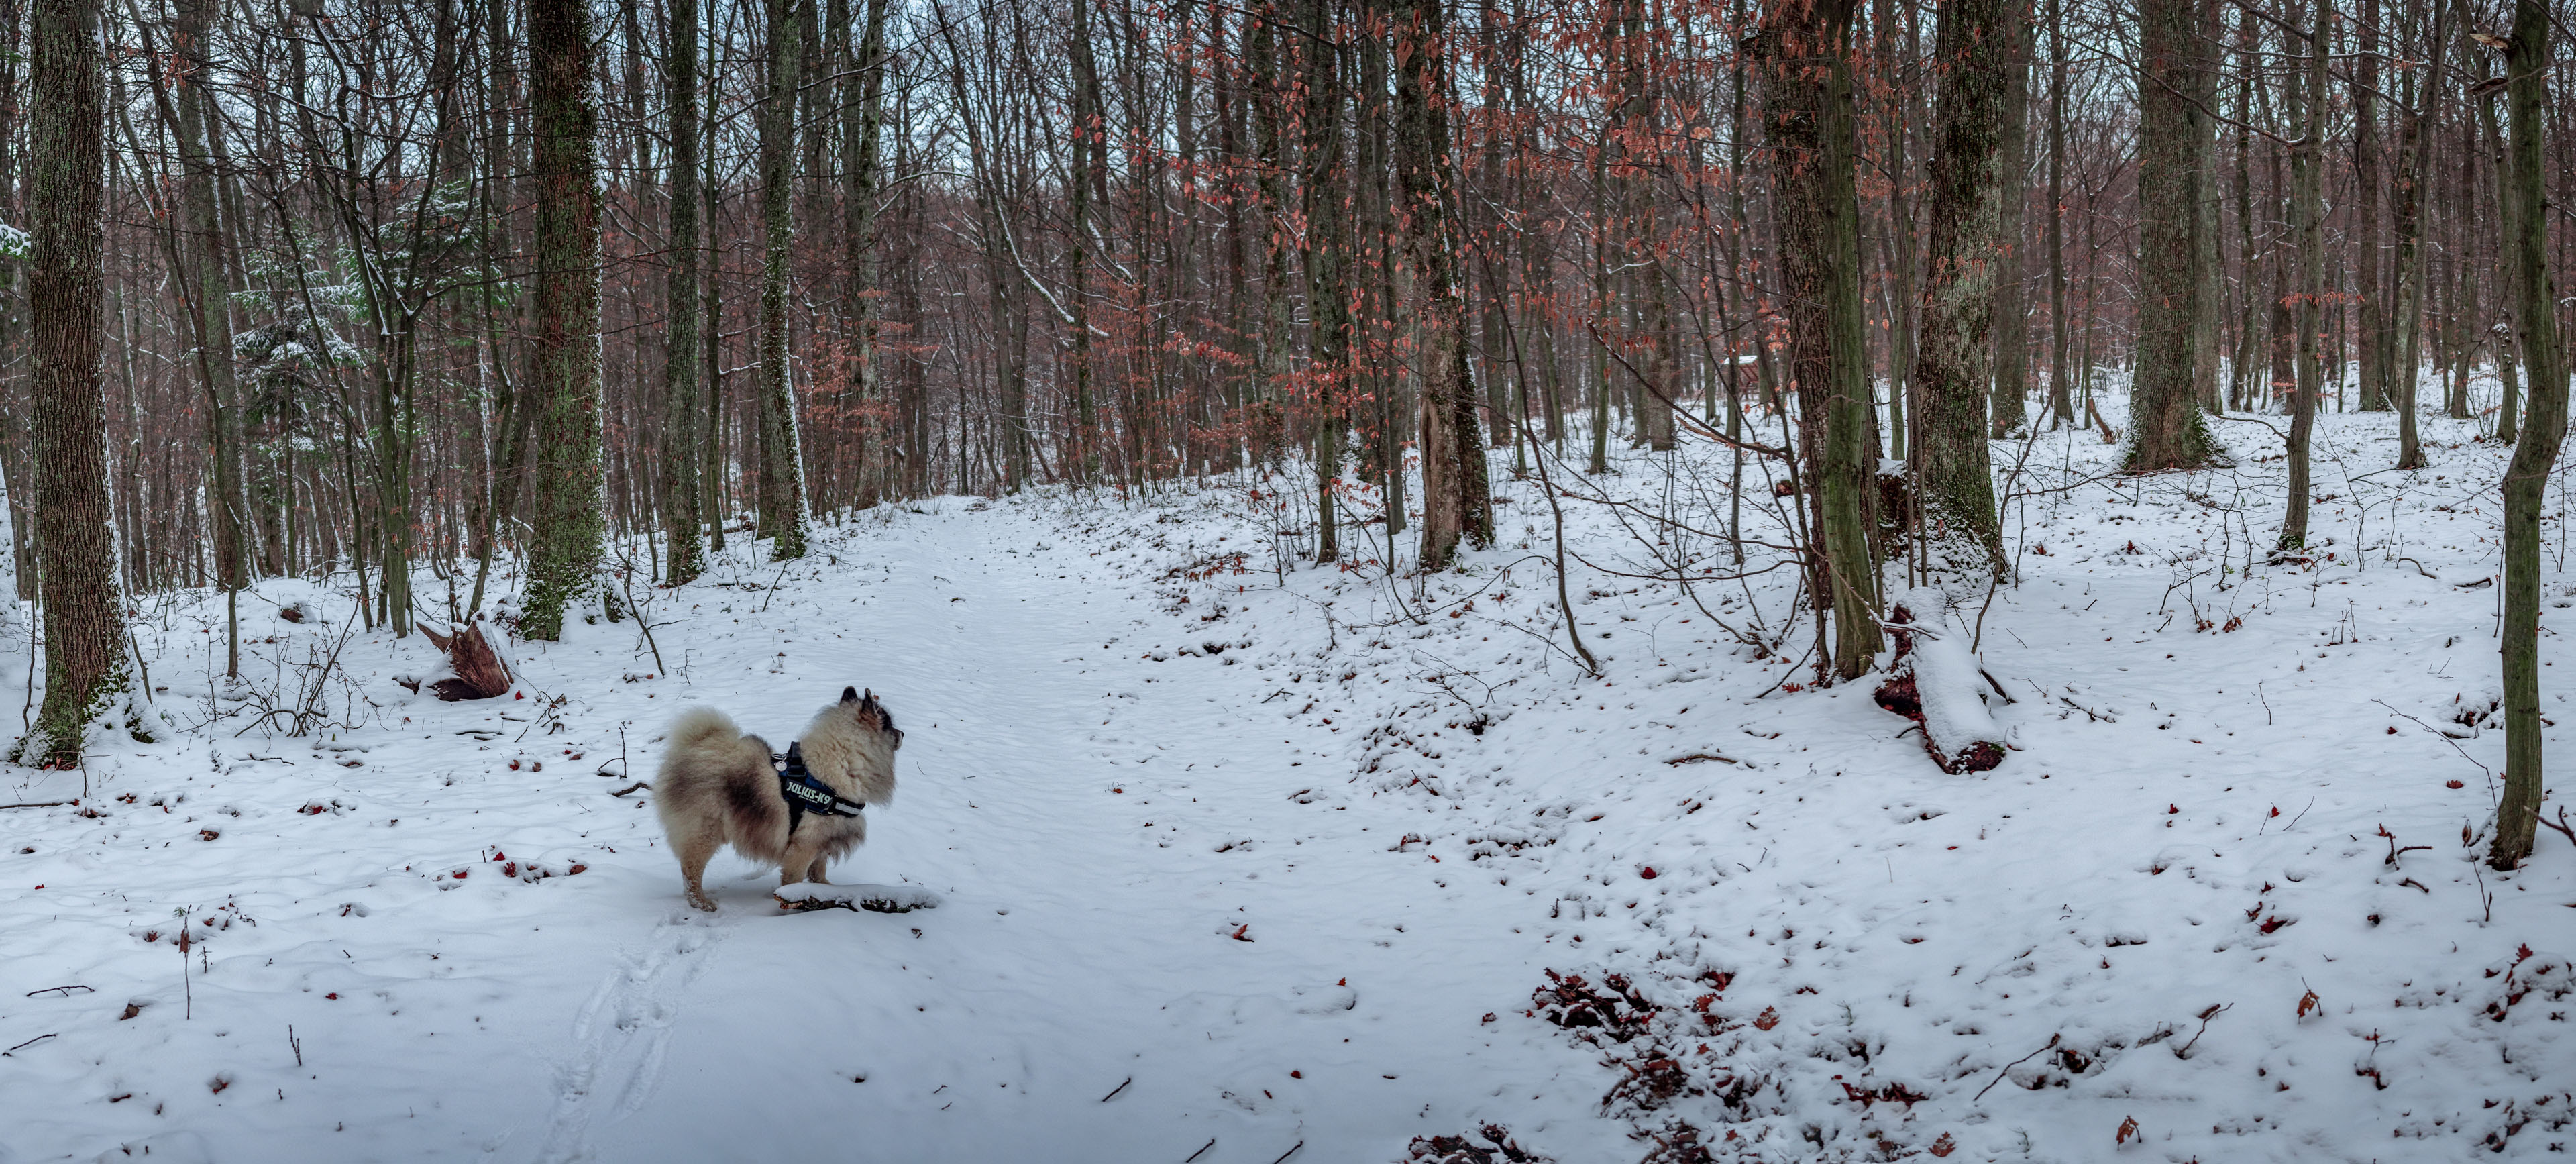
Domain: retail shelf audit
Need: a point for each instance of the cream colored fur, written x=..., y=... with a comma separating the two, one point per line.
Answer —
x=717, y=787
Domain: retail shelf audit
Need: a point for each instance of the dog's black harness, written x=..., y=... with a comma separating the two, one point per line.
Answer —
x=806, y=793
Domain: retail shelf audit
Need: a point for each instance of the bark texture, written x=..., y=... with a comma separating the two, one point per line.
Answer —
x=563, y=376
x=2526, y=478
x=2165, y=419
x=1971, y=161
x=85, y=662
x=1456, y=501
x=681, y=511
x=782, y=466
x=1806, y=50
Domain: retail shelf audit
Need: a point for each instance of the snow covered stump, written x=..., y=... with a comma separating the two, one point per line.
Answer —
x=872, y=898
x=1936, y=681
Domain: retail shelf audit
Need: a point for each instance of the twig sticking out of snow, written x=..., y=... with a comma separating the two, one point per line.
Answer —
x=2000, y=1075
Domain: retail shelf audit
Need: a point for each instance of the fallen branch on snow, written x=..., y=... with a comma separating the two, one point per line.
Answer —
x=872, y=898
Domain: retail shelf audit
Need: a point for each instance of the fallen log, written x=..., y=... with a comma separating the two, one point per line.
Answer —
x=1935, y=681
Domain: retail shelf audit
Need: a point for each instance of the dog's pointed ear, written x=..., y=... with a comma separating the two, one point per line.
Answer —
x=849, y=695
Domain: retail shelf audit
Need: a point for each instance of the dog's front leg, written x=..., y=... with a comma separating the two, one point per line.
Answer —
x=802, y=861
x=815, y=872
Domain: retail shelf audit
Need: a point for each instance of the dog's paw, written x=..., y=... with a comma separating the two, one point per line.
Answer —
x=702, y=901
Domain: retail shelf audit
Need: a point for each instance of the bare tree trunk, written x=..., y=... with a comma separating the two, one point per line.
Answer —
x=2365, y=180
x=2508, y=415
x=863, y=175
x=1644, y=157
x=782, y=468
x=85, y=660
x=1377, y=226
x=1327, y=259
x=2011, y=404
x=2061, y=406
x=2307, y=222
x=2526, y=480
x=681, y=495
x=1455, y=501
x=1806, y=48
x=2167, y=431
x=2415, y=156
x=1971, y=180
x=563, y=376
x=1083, y=175
x=1263, y=416
x=210, y=300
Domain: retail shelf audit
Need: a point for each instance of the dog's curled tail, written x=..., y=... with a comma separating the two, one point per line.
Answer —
x=702, y=725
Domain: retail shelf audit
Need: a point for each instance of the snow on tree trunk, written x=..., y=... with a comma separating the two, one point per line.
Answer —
x=1936, y=680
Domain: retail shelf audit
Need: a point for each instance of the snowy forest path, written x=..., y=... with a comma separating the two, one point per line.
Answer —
x=1148, y=904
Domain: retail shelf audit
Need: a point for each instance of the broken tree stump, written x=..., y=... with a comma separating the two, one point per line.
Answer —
x=480, y=673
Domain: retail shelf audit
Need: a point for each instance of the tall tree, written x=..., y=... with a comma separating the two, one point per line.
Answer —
x=1805, y=46
x=863, y=175
x=2414, y=162
x=2307, y=226
x=563, y=373
x=1456, y=501
x=209, y=296
x=2011, y=404
x=1640, y=129
x=2508, y=414
x=682, y=516
x=1971, y=179
x=2165, y=419
x=85, y=661
x=2365, y=180
x=2526, y=478
x=782, y=464
x=1328, y=244
x=1085, y=179
x=2061, y=406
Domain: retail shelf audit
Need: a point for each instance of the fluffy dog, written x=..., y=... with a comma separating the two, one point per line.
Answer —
x=717, y=786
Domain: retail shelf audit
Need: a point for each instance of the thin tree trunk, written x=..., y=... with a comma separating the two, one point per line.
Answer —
x=863, y=172
x=2415, y=160
x=210, y=299
x=782, y=469
x=2508, y=417
x=1327, y=259
x=1083, y=175
x=2526, y=479
x=2061, y=405
x=2365, y=180
x=2011, y=302
x=2307, y=222
x=681, y=495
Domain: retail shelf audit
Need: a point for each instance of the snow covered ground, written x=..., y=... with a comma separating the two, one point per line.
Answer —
x=1234, y=854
